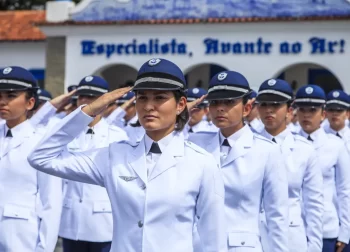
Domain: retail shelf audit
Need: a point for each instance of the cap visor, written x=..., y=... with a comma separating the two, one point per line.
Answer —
x=12, y=87
x=336, y=106
x=155, y=86
x=225, y=94
x=88, y=92
x=309, y=104
x=269, y=98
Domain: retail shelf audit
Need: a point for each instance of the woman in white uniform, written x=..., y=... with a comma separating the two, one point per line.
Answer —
x=86, y=221
x=333, y=160
x=158, y=187
x=251, y=165
x=304, y=176
x=30, y=201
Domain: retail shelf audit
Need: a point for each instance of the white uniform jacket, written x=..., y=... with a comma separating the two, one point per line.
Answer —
x=87, y=212
x=30, y=201
x=256, y=125
x=253, y=172
x=154, y=213
x=343, y=133
x=305, y=189
x=333, y=159
x=202, y=126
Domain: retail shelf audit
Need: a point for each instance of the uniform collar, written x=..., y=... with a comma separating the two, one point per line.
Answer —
x=197, y=127
x=18, y=130
x=341, y=132
x=318, y=137
x=234, y=137
x=163, y=143
x=279, y=138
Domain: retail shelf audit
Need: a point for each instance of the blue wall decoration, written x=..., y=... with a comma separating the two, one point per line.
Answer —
x=116, y=10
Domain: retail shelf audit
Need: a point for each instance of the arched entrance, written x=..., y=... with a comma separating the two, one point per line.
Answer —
x=309, y=73
x=200, y=75
x=118, y=75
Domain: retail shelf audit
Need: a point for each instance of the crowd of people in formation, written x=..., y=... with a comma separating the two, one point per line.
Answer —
x=158, y=167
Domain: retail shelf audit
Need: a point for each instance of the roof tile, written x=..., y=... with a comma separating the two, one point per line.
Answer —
x=20, y=25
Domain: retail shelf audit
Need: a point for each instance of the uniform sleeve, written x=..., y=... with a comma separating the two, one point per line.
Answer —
x=52, y=157
x=50, y=191
x=312, y=192
x=116, y=116
x=210, y=209
x=275, y=200
x=342, y=182
x=42, y=116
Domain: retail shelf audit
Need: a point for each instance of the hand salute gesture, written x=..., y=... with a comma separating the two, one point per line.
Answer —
x=96, y=107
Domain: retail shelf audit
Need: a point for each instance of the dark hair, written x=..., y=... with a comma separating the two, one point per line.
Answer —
x=181, y=119
x=32, y=93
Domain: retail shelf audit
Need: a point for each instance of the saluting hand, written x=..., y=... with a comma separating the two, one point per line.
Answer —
x=192, y=104
x=128, y=103
x=340, y=246
x=62, y=100
x=95, y=108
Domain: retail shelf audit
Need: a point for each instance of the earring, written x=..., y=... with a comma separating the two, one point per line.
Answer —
x=178, y=112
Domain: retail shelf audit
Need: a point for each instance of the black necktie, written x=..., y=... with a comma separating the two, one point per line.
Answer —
x=309, y=138
x=226, y=143
x=190, y=130
x=9, y=133
x=90, y=131
x=338, y=135
x=155, y=148
x=274, y=140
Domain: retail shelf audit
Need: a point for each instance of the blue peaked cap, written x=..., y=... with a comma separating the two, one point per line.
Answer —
x=17, y=78
x=160, y=74
x=228, y=85
x=253, y=94
x=44, y=95
x=126, y=97
x=275, y=91
x=92, y=86
x=310, y=95
x=196, y=93
x=337, y=99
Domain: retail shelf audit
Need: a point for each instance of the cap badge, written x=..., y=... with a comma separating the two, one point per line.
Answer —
x=309, y=90
x=195, y=91
x=271, y=82
x=336, y=94
x=154, y=62
x=222, y=76
x=89, y=78
x=7, y=70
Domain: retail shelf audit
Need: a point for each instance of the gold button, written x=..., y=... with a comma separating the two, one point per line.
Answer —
x=140, y=224
x=242, y=242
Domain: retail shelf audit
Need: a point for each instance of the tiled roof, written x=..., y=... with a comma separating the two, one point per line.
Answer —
x=198, y=21
x=20, y=25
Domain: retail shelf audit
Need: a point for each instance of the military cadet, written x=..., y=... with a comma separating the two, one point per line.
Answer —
x=154, y=196
x=333, y=160
x=197, y=122
x=304, y=176
x=251, y=167
x=337, y=110
x=30, y=201
x=253, y=119
x=86, y=221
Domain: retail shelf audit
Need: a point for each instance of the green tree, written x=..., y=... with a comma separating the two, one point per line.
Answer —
x=24, y=4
